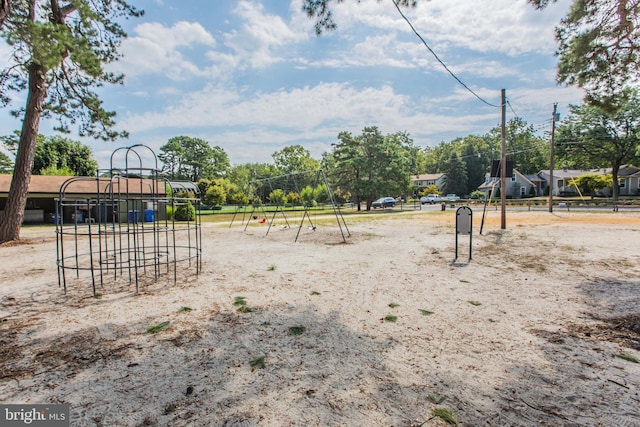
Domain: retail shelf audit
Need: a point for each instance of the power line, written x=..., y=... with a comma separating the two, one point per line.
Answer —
x=439, y=60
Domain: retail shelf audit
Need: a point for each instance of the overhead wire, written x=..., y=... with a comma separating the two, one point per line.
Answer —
x=395, y=3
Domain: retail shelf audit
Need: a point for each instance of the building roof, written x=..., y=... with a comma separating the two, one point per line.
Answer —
x=52, y=185
x=428, y=177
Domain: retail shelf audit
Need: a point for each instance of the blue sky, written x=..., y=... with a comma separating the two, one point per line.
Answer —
x=252, y=77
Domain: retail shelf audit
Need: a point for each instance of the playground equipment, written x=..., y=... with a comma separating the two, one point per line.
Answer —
x=127, y=224
x=299, y=188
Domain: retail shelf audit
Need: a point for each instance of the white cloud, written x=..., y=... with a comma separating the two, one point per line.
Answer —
x=261, y=36
x=157, y=49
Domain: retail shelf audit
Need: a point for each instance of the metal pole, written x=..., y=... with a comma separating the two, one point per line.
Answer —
x=551, y=160
x=503, y=165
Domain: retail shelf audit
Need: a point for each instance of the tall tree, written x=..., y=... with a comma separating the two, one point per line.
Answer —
x=295, y=158
x=184, y=157
x=58, y=52
x=601, y=137
x=455, y=171
x=372, y=165
x=598, y=47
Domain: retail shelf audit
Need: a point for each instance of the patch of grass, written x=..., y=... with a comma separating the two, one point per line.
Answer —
x=426, y=312
x=445, y=415
x=391, y=318
x=435, y=398
x=184, y=309
x=435, y=252
x=272, y=267
x=315, y=293
x=239, y=301
x=297, y=330
x=394, y=305
x=464, y=281
x=98, y=295
x=628, y=357
x=257, y=363
x=157, y=328
x=473, y=302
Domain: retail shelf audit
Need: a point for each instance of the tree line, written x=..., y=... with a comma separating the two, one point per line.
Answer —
x=361, y=168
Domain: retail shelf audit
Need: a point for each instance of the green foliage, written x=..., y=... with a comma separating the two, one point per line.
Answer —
x=6, y=164
x=426, y=312
x=455, y=170
x=215, y=194
x=184, y=208
x=297, y=330
x=277, y=197
x=370, y=165
x=445, y=415
x=477, y=195
x=257, y=363
x=56, y=155
x=591, y=137
x=430, y=189
x=157, y=328
x=54, y=171
x=391, y=318
x=185, y=157
x=628, y=357
x=592, y=182
x=294, y=158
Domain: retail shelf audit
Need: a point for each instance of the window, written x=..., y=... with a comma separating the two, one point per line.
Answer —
x=622, y=183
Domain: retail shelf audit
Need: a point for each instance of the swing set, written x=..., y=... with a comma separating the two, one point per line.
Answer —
x=279, y=196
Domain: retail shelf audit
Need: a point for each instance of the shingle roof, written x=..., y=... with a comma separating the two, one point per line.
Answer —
x=51, y=185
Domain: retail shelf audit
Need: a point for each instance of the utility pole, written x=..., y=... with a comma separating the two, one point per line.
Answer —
x=503, y=165
x=551, y=160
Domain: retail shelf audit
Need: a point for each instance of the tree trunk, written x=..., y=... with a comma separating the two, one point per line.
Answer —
x=17, y=198
x=5, y=9
x=615, y=189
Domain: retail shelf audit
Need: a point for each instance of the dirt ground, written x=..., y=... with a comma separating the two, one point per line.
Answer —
x=541, y=327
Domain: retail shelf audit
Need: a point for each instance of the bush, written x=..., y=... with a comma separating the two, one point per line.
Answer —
x=185, y=212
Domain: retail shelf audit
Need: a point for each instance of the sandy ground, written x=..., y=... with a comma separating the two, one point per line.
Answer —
x=529, y=332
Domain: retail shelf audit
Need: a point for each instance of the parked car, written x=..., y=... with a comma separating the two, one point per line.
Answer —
x=430, y=199
x=384, y=202
x=451, y=197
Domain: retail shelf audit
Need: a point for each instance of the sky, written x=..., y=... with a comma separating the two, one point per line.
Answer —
x=251, y=76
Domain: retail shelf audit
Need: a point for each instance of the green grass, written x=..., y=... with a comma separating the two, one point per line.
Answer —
x=445, y=415
x=157, y=328
x=391, y=318
x=473, y=302
x=241, y=303
x=394, y=305
x=272, y=267
x=628, y=357
x=426, y=312
x=297, y=330
x=257, y=363
x=315, y=293
x=184, y=309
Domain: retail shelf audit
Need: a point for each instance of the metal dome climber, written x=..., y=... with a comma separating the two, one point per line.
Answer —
x=128, y=225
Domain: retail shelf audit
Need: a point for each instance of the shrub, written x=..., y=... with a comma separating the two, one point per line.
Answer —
x=185, y=212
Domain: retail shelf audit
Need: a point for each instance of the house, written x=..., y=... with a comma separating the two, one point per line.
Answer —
x=420, y=182
x=562, y=181
x=628, y=181
x=86, y=197
x=518, y=186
